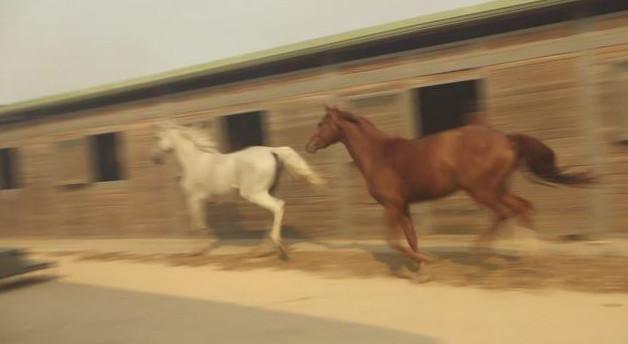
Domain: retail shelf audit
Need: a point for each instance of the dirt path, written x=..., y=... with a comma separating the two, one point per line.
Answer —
x=600, y=274
x=355, y=288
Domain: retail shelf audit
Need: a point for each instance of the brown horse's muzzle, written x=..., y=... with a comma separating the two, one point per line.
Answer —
x=311, y=147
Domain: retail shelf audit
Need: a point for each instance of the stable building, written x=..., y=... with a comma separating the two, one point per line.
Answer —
x=78, y=164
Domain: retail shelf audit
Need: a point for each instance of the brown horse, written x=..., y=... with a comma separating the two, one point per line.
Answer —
x=473, y=158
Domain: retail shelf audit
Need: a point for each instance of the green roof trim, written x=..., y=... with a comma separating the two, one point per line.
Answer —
x=422, y=23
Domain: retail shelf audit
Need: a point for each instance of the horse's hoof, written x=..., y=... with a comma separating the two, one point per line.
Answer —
x=269, y=248
x=428, y=258
x=278, y=248
x=282, y=252
x=421, y=277
x=404, y=272
x=263, y=251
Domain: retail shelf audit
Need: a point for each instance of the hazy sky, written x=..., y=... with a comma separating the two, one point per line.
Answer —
x=54, y=46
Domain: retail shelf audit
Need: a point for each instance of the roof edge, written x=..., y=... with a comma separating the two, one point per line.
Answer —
x=422, y=23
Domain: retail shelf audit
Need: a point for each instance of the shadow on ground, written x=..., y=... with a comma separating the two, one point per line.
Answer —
x=64, y=313
x=15, y=283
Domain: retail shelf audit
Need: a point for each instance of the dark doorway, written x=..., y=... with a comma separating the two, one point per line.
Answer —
x=8, y=169
x=105, y=160
x=446, y=106
x=244, y=130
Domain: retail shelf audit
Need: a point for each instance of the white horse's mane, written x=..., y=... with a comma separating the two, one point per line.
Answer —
x=200, y=138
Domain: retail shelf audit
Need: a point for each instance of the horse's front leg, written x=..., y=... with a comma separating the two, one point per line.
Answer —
x=399, y=220
x=196, y=212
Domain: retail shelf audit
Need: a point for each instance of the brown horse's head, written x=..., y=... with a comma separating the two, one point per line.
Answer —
x=329, y=130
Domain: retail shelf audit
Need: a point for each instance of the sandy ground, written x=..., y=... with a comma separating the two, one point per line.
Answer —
x=454, y=266
x=449, y=314
x=547, y=297
x=524, y=242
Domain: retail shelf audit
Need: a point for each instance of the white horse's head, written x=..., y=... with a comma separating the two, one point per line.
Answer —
x=170, y=133
x=165, y=140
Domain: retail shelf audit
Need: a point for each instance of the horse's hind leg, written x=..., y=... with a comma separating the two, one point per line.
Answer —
x=491, y=200
x=276, y=206
x=486, y=238
x=520, y=206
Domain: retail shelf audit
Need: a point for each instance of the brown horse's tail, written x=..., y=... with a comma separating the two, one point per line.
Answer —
x=541, y=160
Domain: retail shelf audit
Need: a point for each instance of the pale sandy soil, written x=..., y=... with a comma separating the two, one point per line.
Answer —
x=350, y=287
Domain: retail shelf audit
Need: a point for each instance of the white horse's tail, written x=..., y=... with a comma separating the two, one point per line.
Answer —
x=296, y=165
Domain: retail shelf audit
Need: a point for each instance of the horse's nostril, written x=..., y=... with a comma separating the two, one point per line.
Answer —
x=310, y=147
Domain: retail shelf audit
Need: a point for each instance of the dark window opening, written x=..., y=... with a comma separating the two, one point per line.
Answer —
x=244, y=130
x=446, y=106
x=105, y=160
x=620, y=91
x=8, y=169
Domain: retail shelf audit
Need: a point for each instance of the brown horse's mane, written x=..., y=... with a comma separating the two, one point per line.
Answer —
x=366, y=122
x=360, y=120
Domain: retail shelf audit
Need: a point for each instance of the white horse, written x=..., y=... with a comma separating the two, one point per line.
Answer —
x=210, y=175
